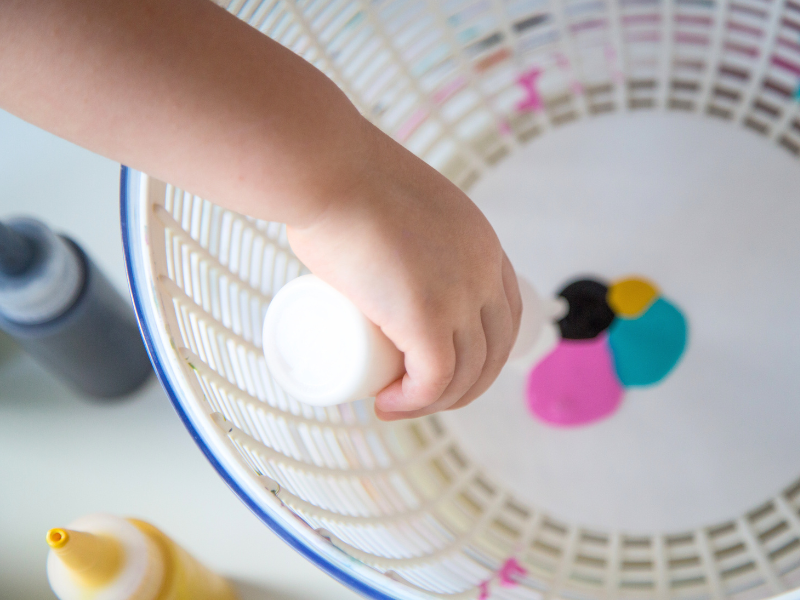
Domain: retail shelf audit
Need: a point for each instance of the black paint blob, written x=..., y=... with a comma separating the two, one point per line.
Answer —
x=589, y=313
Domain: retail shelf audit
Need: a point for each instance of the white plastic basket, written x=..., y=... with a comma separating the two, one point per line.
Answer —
x=431, y=508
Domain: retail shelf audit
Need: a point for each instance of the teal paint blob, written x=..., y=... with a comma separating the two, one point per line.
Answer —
x=646, y=349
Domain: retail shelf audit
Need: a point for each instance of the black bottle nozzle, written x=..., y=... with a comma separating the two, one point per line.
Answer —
x=17, y=252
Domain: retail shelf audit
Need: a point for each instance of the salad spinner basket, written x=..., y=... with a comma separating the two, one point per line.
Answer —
x=689, y=490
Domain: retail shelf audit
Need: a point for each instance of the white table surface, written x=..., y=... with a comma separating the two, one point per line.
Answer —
x=62, y=456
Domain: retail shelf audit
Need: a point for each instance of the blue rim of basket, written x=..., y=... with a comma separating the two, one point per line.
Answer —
x=308, y=552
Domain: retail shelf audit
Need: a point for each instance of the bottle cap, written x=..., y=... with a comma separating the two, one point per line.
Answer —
x=43, y=280
x=321, y=349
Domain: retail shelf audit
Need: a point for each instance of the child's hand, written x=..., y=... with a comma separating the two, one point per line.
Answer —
x=190, y=94
x=422, y=262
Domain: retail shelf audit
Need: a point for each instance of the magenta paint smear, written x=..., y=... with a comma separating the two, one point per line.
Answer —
x=532, y=101
x=507, y=577
x=575, y=384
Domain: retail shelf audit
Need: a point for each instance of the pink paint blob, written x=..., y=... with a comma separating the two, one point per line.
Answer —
x=575, y=384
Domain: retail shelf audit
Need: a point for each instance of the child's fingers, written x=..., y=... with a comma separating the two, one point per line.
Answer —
x=413, y=414
x=501, y=325
x=479, y=355
x=398, y=416
x=511, y=287
x=471, y=351
x=498, y=331
x=438, y=405
x=430, y=366
x=470, y=356
x=470, y=345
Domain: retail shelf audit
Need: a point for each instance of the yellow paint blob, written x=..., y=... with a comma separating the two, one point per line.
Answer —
x=631, y=297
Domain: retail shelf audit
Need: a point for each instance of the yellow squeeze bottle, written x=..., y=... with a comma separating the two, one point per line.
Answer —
x=103, y=557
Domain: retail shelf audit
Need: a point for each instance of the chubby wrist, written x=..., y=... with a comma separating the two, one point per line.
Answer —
x=343, y=179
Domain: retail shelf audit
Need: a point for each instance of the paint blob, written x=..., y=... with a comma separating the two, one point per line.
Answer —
x=631, y=297
x=612, y=337
x=575, y=384
x=589, y=313
x=646, y=349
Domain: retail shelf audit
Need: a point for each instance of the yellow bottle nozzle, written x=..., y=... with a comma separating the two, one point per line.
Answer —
x=93, y=559
x=57, y=537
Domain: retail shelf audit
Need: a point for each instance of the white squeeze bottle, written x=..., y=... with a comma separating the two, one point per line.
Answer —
x=322, y=350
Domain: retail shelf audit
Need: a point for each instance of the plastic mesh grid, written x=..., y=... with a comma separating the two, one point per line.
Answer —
x=461, y=83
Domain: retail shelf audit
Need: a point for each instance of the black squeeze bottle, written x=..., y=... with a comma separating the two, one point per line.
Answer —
x=63, y=311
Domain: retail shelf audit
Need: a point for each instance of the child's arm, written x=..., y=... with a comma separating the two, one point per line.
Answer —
x=188, y=93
